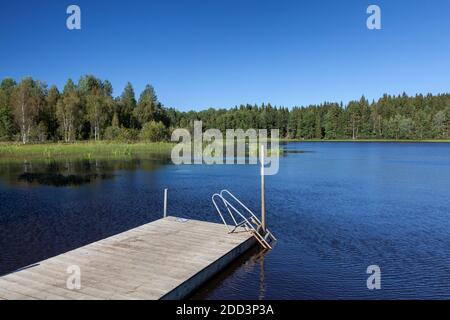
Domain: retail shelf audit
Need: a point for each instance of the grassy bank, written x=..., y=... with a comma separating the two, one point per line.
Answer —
x=82, y=150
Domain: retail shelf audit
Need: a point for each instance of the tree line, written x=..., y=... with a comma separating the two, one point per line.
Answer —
x=32, y=112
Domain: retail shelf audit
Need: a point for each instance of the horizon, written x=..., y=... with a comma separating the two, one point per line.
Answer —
x=196, y=59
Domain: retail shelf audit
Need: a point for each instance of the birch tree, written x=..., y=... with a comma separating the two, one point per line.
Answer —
x=26, y=101
x=98, y=110
x=68, y=111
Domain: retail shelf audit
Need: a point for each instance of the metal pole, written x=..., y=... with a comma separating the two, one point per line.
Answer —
x=165, y=203
x=263, y=202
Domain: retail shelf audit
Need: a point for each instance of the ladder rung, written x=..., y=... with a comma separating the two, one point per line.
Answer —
x=261, y=239
x=262, y=242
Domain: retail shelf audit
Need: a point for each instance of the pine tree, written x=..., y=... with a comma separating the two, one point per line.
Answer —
x=47, y=115
x=127, y=105
x=6, y=116
x=147, y=107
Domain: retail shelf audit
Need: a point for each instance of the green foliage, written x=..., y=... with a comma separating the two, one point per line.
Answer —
x=398, y=127
x=440, y=124
x=27, y=100
x=69, y=112
x=87, y=109
x=331, y=121
x=115, y=120
x=39, y=133
x=99, y=108
x=121, y=134
x=128, y=135
x=154, y=132
x=47, y=113
x=126, y=106
x=146, y=109
x=7, y=128
x=111, y=133
x=6, y=124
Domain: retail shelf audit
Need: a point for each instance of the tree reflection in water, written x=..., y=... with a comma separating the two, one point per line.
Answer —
x=70, y=172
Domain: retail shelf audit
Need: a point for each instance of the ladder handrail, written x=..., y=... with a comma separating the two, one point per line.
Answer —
x=240, y=202
x=251, y=212
x=218, y=210
x=247, y=223
x=228, y=205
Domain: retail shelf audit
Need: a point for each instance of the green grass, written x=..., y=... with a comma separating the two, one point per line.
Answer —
x=81, y=150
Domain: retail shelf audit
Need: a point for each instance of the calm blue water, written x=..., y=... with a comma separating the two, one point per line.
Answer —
x=336, y=208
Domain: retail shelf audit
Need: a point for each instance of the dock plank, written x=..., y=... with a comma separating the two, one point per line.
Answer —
x=164, y=259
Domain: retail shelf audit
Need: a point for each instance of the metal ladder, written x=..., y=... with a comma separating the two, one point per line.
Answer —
x=251, y=224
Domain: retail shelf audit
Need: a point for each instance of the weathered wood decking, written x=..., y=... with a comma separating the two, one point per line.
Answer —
x=165, y=259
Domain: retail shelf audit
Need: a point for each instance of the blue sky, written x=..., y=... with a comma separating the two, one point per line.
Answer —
x=220, y=53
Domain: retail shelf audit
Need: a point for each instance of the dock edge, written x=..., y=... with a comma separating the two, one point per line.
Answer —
x=196, y=281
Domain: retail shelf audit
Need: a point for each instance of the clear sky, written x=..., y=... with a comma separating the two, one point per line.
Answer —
x=220, y=53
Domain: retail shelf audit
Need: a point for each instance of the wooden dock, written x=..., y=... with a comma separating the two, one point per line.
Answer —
x=165, y=259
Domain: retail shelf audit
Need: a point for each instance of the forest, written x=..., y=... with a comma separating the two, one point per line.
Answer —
x=30, y=111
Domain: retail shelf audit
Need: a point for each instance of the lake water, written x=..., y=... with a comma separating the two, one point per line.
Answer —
x=336, y=208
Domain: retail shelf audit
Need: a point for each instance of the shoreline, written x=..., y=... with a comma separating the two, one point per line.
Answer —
x=117, y=150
